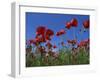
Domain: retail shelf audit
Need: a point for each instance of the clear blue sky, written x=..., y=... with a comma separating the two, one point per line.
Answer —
x=55, y=22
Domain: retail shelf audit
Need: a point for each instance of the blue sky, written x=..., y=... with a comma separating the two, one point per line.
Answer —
x=55, y=22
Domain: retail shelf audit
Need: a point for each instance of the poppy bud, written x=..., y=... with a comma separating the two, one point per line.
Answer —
x=86, y=24
x=68, y=25
x=74, y=22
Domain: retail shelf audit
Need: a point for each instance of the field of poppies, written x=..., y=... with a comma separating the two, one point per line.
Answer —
x=40, y=51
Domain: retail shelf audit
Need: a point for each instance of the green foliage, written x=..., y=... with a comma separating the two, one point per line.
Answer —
x=65, y=58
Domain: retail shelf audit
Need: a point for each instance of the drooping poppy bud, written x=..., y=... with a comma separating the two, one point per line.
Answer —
x=57, y=34
x=68, y=25
x=72, y=42
x=86, y=24
x=74, y=22
x=61, y=32
x=54, y=46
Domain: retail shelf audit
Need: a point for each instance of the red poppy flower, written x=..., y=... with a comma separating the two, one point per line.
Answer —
x=43, y=34
x=47, y=37
x=87, y=41
x=68, y=25
x=42, y=39
x=30, y=41
x=49, y=44
x=72, y=41
x=37, y=39
x=49, y=32
x=61, y=32
x=54, y=46
x=42, y=49
x=57, y=34
x=69, y=41
x=83, y=43
x=74, y=22
x=40, y=30
x=86, y=24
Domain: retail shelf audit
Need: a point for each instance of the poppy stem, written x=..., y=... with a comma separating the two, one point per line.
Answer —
x=73, y=33
x=82, y=33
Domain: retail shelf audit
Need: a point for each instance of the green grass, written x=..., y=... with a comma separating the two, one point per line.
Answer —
x=65, y=58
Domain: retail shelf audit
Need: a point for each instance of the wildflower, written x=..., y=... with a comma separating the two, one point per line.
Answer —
x=47, y=37
x=40, y=30
x=54, y=46
x=68, y=25
x=86, y=24
x=57, y=34
x=42, y=49
x=49, y=32
x=74, y=22
x=83, y=43
x=49, y=45
x=61, y=32
x=72, y=42
x=32, y=41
